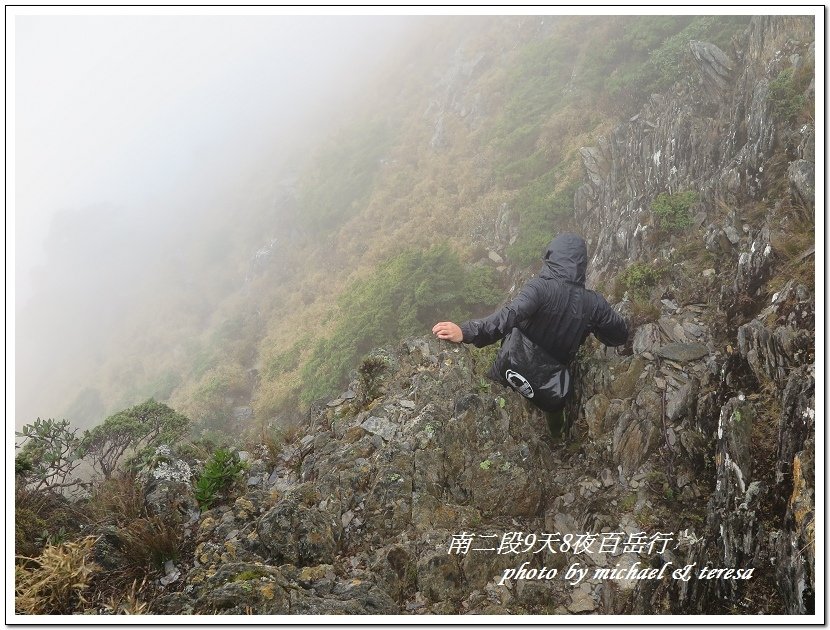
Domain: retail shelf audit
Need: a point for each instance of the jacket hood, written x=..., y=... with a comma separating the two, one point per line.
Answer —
x=566, y=259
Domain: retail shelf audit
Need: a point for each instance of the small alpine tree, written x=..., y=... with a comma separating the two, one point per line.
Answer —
x=148, y=424
x=48, y=455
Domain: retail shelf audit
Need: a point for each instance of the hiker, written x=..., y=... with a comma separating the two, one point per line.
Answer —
x=554, y=313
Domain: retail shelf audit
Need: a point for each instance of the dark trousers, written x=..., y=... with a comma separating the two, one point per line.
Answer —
x=556, y=422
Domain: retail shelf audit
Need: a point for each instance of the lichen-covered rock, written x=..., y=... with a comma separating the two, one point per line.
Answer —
x=168, y=491
x=302, y=528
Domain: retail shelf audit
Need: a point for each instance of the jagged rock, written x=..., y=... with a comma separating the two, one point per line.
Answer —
x=807, y=146
x=597, y=163
x=168, y=492
x=795, y=476
x=582, y=599
x=647, y=339
x=486, y=465
x=797, y=420
x=754, y=265
x=298, y=530
x=379, y=426
x=626, y=376
x=795, y=569
x=237, y=588
x=716, y=240
x=683, y=352
x=771, y=353
x=634, y=437
x=715, y=66
x=802, y=175
x=108, y=551
x=735, y=506
x=440, y=577
x=683, y=403
x=595, y=414
x=732, y=234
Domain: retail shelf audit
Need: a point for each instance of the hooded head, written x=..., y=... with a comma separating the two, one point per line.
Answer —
x=566, y=259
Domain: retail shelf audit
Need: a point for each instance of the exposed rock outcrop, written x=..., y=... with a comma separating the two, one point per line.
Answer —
x=719, y=137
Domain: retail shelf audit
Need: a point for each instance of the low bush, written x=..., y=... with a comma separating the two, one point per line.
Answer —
x=672, y=211
x=638, y=279
x=118, y=501
x=220, y=473
x=787, y=93
x=150, y=542
x=370, y=376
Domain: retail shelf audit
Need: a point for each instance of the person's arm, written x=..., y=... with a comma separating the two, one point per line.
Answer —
x=482, y=332
x=608, y=325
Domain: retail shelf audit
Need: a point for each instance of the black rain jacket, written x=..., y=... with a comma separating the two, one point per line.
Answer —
x=554, y=309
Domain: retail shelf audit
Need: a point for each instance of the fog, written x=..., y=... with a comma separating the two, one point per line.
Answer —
x=132, y=133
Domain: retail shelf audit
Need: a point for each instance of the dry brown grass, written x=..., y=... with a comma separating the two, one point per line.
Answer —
x=131, y=602
x=117, y=500
x=150, y=542
x=56, y=581
x=794, y=246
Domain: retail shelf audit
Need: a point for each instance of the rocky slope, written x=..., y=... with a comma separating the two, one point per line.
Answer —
x=754, y=384
x=422, y=487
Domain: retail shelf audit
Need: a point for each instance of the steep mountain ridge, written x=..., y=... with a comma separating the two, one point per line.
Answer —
x=422, y=488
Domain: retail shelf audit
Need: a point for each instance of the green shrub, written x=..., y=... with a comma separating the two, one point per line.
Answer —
x=672, y=211
x=28, y=528
x=787, y=93
x=220, y=472
x=638, y=280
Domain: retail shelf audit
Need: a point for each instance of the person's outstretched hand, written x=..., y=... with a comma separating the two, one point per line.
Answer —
x=448, y=331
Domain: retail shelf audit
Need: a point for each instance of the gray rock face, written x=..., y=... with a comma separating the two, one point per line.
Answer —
x=715, y=66
x=802, y=176
x=754, y=265
x=770, y=353
x=718, y=135
x=683, y=352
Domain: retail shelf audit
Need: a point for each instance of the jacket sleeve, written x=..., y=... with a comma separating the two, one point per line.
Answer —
x=607, y=324
x=483, y=332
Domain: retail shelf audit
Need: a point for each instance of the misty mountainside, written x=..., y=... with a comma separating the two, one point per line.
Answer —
x=253, y=294
x=327, y=456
